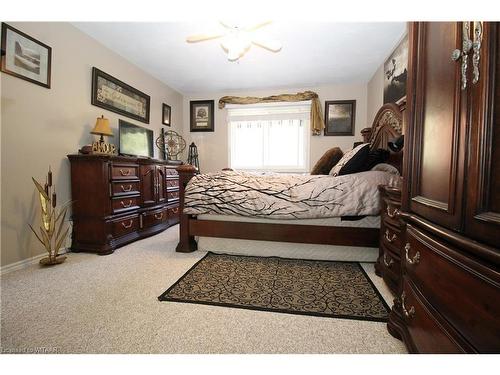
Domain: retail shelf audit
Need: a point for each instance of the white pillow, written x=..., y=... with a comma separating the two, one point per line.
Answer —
x=384, y=167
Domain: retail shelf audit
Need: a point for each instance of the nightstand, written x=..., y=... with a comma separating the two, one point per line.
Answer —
x=388, y=264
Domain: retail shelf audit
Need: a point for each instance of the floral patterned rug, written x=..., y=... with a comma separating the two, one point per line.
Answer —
x=295, y=286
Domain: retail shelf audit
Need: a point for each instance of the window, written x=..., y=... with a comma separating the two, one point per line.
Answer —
x=272, y=137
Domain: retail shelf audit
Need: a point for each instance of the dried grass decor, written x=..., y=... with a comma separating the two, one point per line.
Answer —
x=52, y=229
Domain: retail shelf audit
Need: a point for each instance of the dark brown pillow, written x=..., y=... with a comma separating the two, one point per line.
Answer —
x=327, y=161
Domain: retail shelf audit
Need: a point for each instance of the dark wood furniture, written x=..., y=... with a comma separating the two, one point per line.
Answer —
x=388, y=264
x=119, y=199
x=449, y=297
x=387, y=125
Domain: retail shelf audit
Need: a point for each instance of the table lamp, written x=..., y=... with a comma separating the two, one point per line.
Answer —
x=102, y=128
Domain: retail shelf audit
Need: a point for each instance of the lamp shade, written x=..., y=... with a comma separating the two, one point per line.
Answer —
x=102, y=127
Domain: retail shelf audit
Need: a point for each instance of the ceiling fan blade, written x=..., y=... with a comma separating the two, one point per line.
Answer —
x=269, y=44
x=202, y=37
x=258, y=25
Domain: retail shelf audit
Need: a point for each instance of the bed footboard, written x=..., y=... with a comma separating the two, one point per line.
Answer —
x=187, y=242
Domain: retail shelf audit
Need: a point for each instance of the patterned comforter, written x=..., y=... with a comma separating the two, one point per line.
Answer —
x=286, y=196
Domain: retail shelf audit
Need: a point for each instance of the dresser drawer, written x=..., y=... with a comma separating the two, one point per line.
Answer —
x=172, y=196
x=390, y=268
x=427, y=333
x=124, y=171
x=119, y=188
x=152, y=218
x=172, y=183
x=125, y=204
x=171, y=172
x=173, y=215
x=391, y=237
x=125, y=225
x=466, y=293
x=390, y=212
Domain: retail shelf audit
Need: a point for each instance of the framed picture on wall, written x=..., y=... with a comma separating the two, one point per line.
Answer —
x=116, y=96
x=340, y=117
x=25, y=57
x=166, y=114
x=395, y=73
x=202, y=115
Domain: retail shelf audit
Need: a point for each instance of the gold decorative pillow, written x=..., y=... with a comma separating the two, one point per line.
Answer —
x=327, y=161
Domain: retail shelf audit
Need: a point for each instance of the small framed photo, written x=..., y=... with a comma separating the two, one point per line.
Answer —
x=166, y=114
x=25, y=57
x=202, y=115
x=340, y=117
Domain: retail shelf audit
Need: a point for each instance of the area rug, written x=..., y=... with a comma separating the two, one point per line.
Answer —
x=295, y=286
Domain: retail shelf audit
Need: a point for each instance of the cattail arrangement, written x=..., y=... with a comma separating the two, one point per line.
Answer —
x=52, y=233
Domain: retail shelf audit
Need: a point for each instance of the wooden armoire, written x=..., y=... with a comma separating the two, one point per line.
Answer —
x=449, y=297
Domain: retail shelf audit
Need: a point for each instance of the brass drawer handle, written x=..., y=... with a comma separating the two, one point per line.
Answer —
x=386, y=263
x=394, y=213
x=175, y=210
x=125, y=172
x=124, y=205
x=407, y=313
x=389, y=239
x=159, y=216
x=126, y=189
x=415, y=260
x=129, y=224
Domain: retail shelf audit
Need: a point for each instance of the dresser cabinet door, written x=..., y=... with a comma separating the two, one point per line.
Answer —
x=437, y=115
x=161, y=181
x=148, y=184
x=483, y=200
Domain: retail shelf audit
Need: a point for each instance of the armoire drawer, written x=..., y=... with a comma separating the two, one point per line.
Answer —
x=427, y=333
x=466, y=293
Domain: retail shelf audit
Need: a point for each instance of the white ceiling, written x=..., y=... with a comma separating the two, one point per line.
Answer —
x=313, y=53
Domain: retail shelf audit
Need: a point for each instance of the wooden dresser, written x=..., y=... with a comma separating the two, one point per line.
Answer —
x=119, y=199
x=449, y=298
x=388, y=264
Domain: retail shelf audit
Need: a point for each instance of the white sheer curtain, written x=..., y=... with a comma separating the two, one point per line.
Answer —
x=269, y=137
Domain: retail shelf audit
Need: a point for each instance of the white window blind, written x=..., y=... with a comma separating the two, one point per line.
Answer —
x=272, y=137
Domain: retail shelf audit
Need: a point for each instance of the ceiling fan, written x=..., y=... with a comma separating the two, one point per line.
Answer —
x=237, y=39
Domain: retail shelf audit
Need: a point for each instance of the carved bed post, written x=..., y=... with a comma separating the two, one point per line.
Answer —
x=366, y=133
x=187, y=243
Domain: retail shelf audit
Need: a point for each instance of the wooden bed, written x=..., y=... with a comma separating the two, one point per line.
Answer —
x=388, y=124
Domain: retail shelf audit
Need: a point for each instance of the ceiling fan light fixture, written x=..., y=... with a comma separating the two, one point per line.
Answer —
x=236, y=44
x=238, y=39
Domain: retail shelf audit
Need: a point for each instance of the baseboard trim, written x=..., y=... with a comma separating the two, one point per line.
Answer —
x=25, y=263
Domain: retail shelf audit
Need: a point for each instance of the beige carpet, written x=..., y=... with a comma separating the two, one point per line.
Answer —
x=95, y=304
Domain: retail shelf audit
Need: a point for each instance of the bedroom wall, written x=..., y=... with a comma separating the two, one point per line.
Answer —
x=41, y=126
x=213, y=146
x=375, y=91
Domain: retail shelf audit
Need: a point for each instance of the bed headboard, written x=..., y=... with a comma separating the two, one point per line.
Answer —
x=387, y=126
